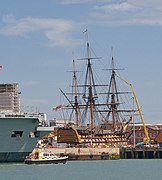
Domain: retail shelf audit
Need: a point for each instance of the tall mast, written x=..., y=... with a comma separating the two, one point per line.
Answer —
x=113, y=96
x=75, y=94
x=90, y=98
x=89, y=82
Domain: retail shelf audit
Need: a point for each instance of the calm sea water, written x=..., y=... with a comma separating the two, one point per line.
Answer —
x=85, y=170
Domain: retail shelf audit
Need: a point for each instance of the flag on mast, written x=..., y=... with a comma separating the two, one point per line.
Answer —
x=57, y=108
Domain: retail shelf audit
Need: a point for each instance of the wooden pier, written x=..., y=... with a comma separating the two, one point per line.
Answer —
x=141, y=153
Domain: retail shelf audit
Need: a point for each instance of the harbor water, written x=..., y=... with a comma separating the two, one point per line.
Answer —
x=87, y=170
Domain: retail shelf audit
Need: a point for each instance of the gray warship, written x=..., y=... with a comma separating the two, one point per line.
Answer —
x=18, y=130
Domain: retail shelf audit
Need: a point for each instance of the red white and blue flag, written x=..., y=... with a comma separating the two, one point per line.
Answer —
x=57, y=108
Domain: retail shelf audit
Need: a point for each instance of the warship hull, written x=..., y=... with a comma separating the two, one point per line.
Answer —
x=73, y=136
x=18, y=136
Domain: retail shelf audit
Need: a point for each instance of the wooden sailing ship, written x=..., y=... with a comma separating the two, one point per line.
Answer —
x=97, y=123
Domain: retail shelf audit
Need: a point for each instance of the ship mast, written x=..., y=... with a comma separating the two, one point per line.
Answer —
x=113, y=102
x=90, y=98
x=91, y=95
x=114, y=97
x=89, y=91
x=75, y=95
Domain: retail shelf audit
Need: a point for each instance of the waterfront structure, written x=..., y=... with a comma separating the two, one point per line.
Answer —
x=143, y=152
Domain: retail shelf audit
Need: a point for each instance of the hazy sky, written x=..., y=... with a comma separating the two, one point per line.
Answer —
x=39, y=38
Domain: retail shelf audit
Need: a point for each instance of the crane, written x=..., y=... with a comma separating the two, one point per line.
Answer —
x=146, y=138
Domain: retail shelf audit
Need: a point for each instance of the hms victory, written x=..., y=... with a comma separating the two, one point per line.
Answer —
x=100, y=111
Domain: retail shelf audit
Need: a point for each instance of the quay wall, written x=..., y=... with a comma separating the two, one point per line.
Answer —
x=141, y=153
x=87, y=153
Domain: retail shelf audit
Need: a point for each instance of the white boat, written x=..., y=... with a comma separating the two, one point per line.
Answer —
x=42, y=156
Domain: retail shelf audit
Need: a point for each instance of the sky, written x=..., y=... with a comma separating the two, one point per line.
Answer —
x=39, y=39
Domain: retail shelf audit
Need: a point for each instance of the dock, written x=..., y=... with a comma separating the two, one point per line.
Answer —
x=88, y=153
x=141, y=153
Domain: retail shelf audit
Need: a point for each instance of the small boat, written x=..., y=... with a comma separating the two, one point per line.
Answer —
x=42, y=156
